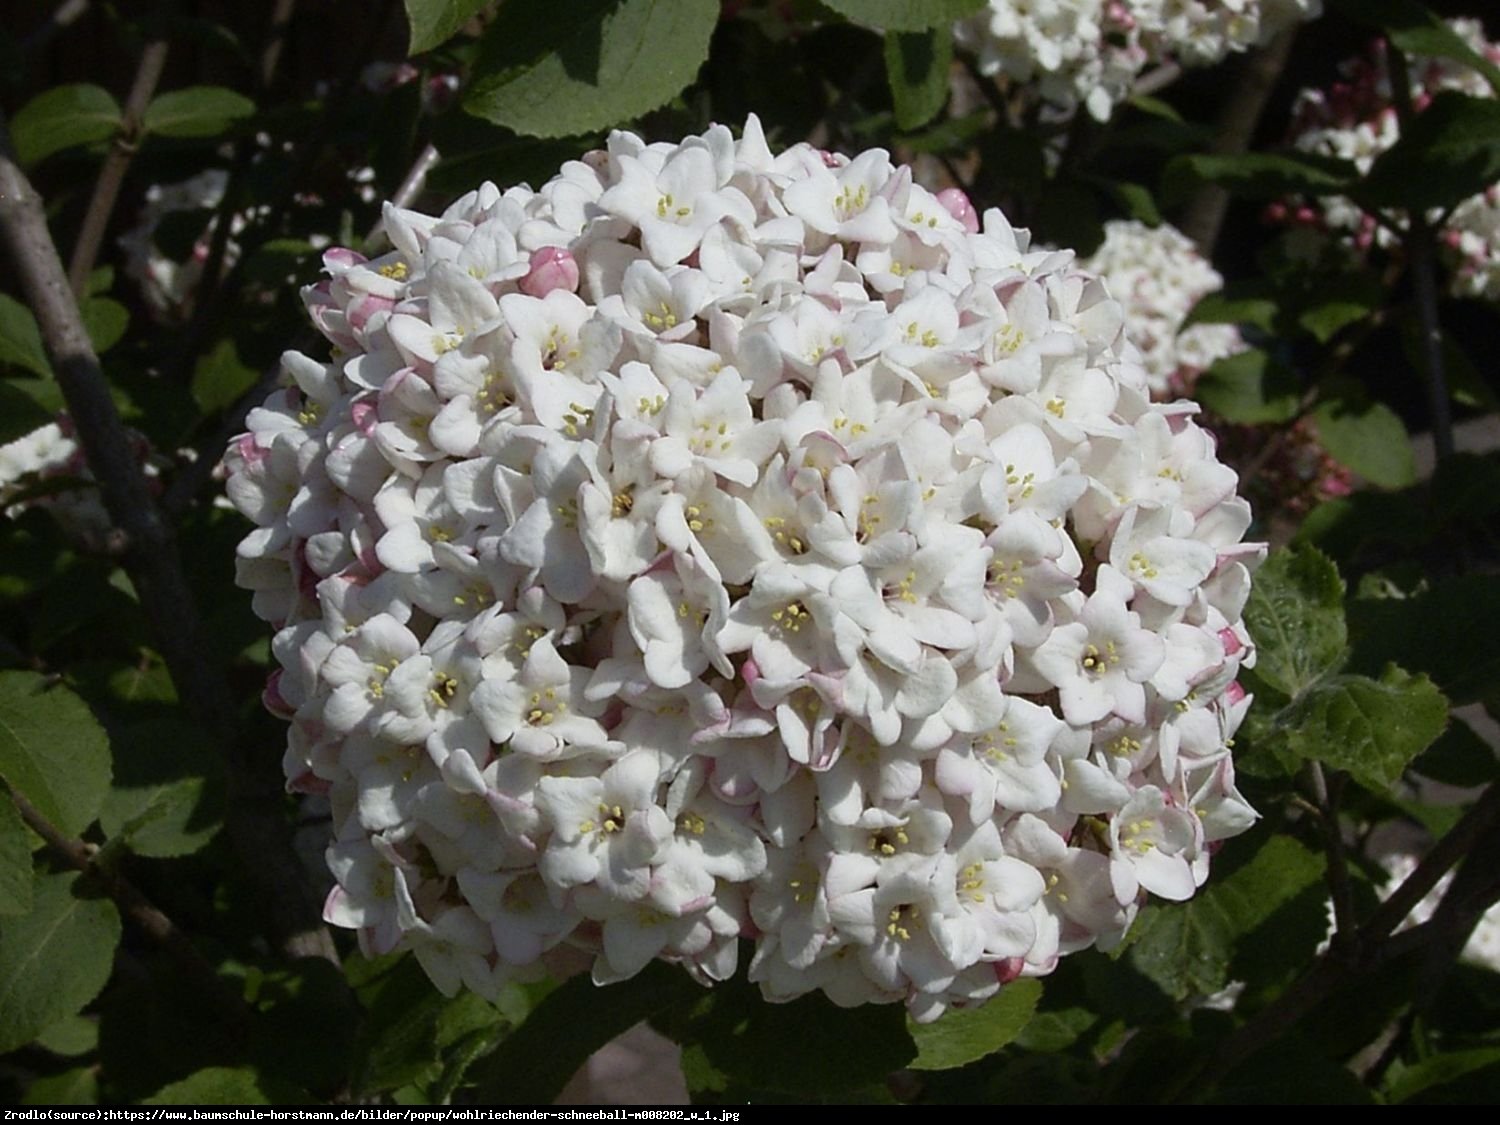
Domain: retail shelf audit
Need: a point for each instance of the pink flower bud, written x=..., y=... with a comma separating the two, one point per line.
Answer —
x=957, y=204
x=750, y=671
x=365, y=414
x=1009, y=969
x=1233, y=694
x=336, y=259
x=272, y=699
x=1230, y=640
x=551, y=268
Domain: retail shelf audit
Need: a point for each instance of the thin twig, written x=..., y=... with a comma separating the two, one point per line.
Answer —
x=121, y=152
x=1327, y=796
x=152, y=562
x=1419, y=237
x=64, y=14
x=143, y=914
x=270, y=55
x=411, y=186
x=1157, y=79
x=1236, y=129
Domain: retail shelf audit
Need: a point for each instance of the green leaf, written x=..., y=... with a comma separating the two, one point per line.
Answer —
x=1437, y=1071
x=434, y=22
x=1460, y=757
x=52, y=750
x=168, y=794
x=916, y=65
x=1296, y=615
x=15, y=860
x=609, y=62
x=1241, y=302
x=397, y=1041
x=1263, y=175
x=220, y=377
x=79, y=1086
x=1368, y=437
x=72, y=1036
x=964, y=1035
x=19, y=412
x=905, y=15
x=1442, y=631
x=53, y=960
x=197, y=111
x=1448, y=152
x=225, y=1085
x=1467, y=386
x=1136, y=200
x=1418, y=30
x=20, y=339
x=1346, y=300
x=762, y=1046
x=570, y=1024
x=1371, y=728
x=1250, y=387
x=105, y=320
x=61, y=118
x=1187, y=948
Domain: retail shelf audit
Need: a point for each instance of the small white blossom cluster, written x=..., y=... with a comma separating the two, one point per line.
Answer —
x=46, y=469
x=167, y=284
x=1090, y=52
x=1356, y=120
x=719, y=545
x=1157, y=274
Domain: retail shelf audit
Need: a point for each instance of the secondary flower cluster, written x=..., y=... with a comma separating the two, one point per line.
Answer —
x=719, y=545
x=1157, y=274
x=1356, y=120
x=1091, y=52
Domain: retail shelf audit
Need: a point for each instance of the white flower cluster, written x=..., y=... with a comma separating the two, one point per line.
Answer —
x=1090, y=52
x=1157, y=274
x=1356, y=120
x=715, y=545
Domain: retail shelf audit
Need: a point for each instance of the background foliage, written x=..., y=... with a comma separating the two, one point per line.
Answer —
x=160, y=936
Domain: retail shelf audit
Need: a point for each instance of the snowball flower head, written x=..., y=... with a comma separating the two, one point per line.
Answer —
x=720, y=545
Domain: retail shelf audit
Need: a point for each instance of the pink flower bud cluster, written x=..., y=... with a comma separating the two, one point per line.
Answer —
x=719, y=545
x=1090, y=52
x=1356, y=120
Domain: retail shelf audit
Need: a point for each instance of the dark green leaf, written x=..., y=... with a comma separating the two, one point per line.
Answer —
x=1439, y=631
x=53, y=960
x=570, y=1024
x=905, y=15
x=15, y=860
x=1264, y=175
x=220, y=377
x=1418, y=30
x=223, y=1085
x=1431, y=1074
x=20, y=339
x=1368, y=437
x=72, y=1036
x=1137, y=202
x=607, y=63
x=198, y=111
x=168, y=793
x=1244, y=302
x=1460, y=757
x=1341, y=302
x=434, y=22
x=105, y=320
x=397, y=1042
x=1467, y=386
x=52, y=750
x=1449, y=151
x=61, y=118
x=19, y=412
x=1296, y=615
x=916, y=65
x=1250, y=387
x=761, y=1046
x=1371, y=728
x=79, y=1086
x=1292, y=1070
x=1186, y=948
x=963, y=1035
